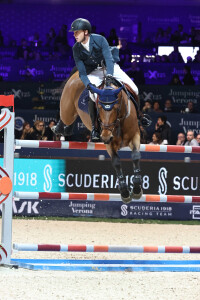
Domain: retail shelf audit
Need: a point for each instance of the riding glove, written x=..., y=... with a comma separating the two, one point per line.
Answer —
x=109, y=79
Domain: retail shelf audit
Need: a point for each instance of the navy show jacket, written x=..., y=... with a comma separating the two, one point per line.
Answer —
x=87, y=61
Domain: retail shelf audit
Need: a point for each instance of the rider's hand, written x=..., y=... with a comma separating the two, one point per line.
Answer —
x=89, y=87
x=109, y=79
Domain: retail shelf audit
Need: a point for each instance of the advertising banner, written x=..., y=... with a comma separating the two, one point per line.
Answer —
x=95, y=176
x=98, y=209
x=38, y=175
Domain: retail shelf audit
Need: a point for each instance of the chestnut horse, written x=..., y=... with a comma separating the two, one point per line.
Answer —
x=119, y=127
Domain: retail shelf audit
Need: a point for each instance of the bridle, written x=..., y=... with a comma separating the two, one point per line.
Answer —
x=108, y=106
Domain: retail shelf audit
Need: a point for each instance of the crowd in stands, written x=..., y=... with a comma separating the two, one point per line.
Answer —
x=56, y=45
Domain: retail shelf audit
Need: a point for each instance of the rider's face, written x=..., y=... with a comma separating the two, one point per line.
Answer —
x=79, y=35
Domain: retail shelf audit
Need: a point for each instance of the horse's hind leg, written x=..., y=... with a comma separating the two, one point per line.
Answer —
x=137, y=179
x=123, y=187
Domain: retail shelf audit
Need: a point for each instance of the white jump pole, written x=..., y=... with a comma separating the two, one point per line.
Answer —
x=7, y=124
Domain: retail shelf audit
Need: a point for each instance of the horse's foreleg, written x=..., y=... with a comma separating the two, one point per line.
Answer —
x=123, y=187
x=137, y=179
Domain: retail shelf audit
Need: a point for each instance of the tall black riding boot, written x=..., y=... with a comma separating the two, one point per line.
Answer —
x=63, y=129
x=95, y=135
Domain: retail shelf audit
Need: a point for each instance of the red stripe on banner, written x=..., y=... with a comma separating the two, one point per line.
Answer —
x=172, y=198
x=101, y=248
x=172, y=249
x=49, y=247
x=180, y=149
x=77, y=196
x=150, y=249
x=100, y=146
x=194, y=249
x=77, y=248
x=7, y=101
x=195, y=149
x=78, y=145
x=50, y=144
x=56, y=196
x=195, y=199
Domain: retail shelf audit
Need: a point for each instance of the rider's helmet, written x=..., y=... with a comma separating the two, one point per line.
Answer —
x=81, y=24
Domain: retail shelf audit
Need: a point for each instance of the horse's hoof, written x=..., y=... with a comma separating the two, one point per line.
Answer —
x=136, y=193
x=126, y=196
x=126, y=200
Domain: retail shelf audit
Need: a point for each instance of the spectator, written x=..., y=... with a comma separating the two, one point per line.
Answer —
x=190, y=108
x=188, y=78
x=1, y=39
x=113, y=39
x=197, y=57
x=125, y=54
x=180, y=139
x=23, y=50
x=168, y=106
x=191, y=141
x=198, y=139
x=61, y=44
x=175, y=56
x=37, y=131
x=143, y=135
x=51, y=36
x=156, y=107
x=48, y=132
x=156, y=139
x=175, y=80
x=25, y=131
x=147, y=107
x=159, y=36
x=164, y=129
x=136, y=74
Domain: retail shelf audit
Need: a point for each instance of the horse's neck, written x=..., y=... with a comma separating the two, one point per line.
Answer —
x=124, y=104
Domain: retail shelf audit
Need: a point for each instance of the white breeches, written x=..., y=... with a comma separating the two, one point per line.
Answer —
x=96, y=77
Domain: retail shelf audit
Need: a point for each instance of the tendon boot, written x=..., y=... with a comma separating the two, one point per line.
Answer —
x=63, y=129
x=95, y=135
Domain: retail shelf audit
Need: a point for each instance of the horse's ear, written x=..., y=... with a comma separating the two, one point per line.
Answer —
x=96, y=90
x=117, y=91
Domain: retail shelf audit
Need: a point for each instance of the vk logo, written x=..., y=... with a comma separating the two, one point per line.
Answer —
x=47, y=178
x=162, y=176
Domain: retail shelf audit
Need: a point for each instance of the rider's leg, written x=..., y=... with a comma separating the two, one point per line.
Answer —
x=96, y=78
x=95, y=134
x=120, y=75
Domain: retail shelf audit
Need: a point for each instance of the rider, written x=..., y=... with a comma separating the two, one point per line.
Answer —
x=91, y=52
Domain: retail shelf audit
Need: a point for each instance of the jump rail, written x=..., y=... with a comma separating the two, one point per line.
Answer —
x=101, y=146
x=104, y=197
x=105, y=248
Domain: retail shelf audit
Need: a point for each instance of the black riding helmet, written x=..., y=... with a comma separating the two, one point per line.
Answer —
x=81, y=24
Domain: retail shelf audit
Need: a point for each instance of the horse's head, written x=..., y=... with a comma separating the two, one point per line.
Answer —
x=109, y=105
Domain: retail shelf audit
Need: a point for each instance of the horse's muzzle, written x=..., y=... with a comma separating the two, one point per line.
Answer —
x=106, y=138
